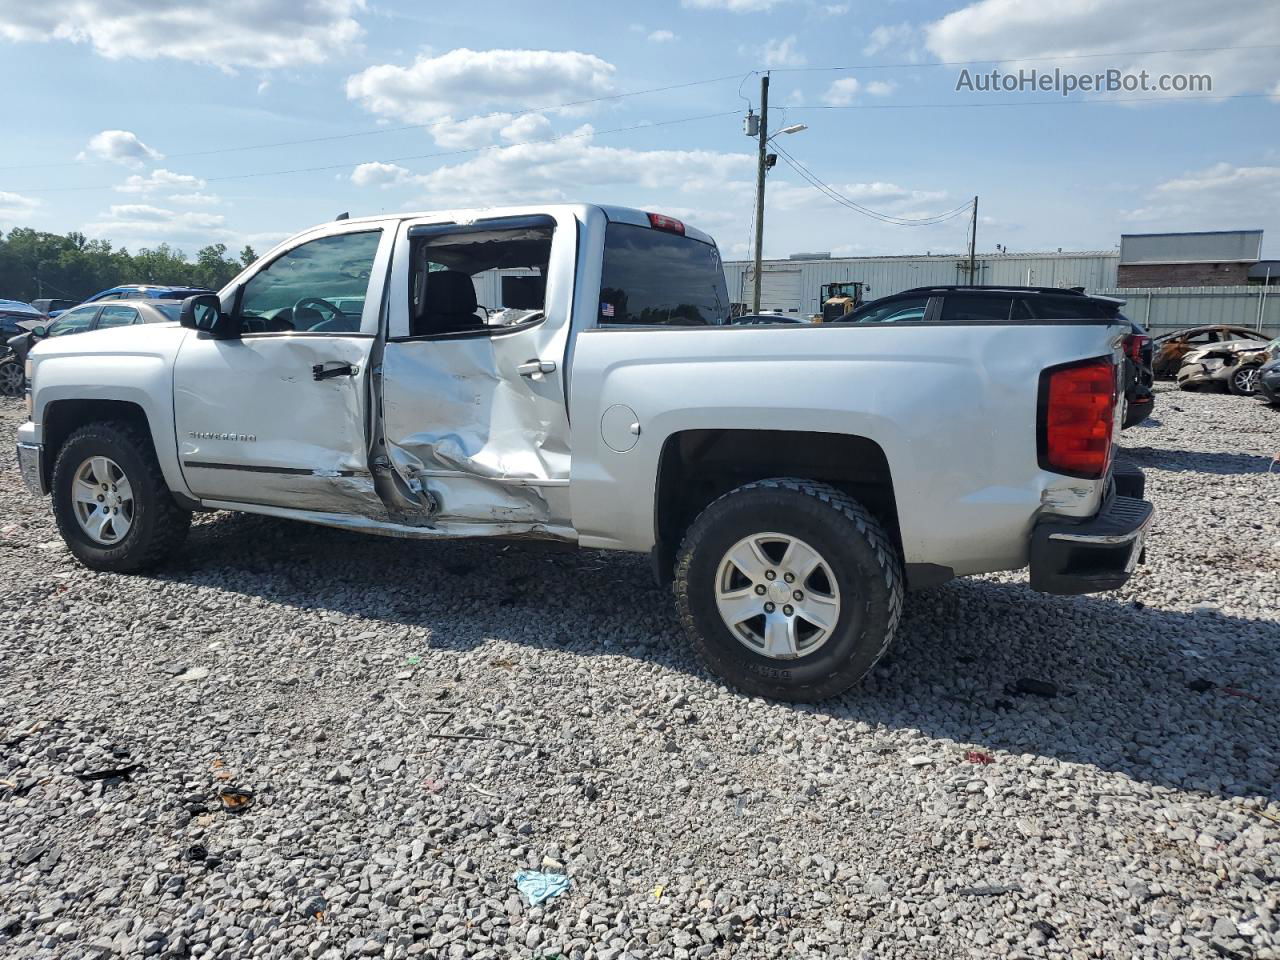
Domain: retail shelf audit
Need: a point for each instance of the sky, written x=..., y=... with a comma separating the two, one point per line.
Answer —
x=165, y=121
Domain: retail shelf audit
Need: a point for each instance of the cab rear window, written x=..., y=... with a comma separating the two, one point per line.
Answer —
x=652, y=277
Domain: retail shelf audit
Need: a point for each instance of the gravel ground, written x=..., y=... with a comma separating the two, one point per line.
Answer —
x=936, y=812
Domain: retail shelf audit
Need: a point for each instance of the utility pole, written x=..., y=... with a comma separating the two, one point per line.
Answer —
x=973, y=243
x=760, y=169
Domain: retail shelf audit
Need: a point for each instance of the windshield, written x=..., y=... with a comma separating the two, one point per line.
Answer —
x=654, y=277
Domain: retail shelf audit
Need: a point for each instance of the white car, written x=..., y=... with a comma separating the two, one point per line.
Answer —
x=570, y=372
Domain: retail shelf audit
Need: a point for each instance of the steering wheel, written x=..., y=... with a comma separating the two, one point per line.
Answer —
x=316, y=303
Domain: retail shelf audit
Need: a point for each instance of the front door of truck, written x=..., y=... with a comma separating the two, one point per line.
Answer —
x=473, y=374
x=279, y=416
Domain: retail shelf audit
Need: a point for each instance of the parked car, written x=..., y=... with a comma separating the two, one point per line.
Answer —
x=52, y=307
x=94, y=316
x=146, y=291
x=1171, y=348
x=992, y=304
x=1233, y=364
x=1269, y=382
x=791, y=480
x=13, y=314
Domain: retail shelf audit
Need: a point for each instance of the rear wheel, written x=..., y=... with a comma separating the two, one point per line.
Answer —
x=110, y=500
x=1243, y=382
x=789, y=589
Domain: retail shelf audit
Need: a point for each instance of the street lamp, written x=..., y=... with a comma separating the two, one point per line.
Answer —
x=761, y=165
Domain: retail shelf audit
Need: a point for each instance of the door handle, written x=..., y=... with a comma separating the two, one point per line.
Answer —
x=321, y=372
x=534, y=368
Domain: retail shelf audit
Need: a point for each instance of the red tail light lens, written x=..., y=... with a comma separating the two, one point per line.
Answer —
x=1133, y=346
x=670, y=224
x=1077, y=415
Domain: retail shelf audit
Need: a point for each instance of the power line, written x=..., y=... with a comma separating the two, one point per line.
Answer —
x=840, y=198
x=421, y=156
x=1050, y=57
x=409, y=126
x=675, y=86
x=1028, y=103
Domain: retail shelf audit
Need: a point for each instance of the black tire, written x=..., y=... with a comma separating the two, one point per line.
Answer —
x=866, y=565
x=159, y=525
x=1240, y=390
x=12, y=380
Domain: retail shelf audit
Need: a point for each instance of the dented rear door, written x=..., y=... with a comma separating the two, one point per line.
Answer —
x=476, y=425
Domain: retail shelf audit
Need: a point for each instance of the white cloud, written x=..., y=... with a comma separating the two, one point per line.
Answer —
x=14, y=206
x=835, y=9
x=782, y=53
x=377, y=174
x=141, y=224
x=662, y=36
x=880, y=88
x=1052, y=32
x=890, y=35
x=842, y=92
x=569, y=169
x=196, y=199
x=463, y=81
x=1221, y=197
x=160, y=179
x=733, y=6
x=119, y=146
x=529, y=126
x=472, y=132
x=261, y=34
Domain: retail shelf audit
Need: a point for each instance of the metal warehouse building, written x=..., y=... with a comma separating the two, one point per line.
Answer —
x=794, y=285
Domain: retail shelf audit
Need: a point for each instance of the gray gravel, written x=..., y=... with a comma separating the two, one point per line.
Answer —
x=1134, y=814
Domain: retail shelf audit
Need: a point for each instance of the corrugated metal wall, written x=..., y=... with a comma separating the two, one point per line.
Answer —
x=1161, y=309
x=888, y=275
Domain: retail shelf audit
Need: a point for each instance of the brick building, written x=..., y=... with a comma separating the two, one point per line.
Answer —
x=1215, y=258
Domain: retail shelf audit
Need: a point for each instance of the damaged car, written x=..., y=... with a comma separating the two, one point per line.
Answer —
x=1172, y=348
x=569, y=372
x=1233, y=364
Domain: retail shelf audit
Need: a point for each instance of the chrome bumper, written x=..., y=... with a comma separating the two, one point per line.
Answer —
x=31, y=463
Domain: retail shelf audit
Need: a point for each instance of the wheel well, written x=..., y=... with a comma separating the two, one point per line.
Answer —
x=697, y=466
x=64, y=417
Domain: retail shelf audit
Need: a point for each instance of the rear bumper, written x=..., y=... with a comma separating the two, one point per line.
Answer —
x=31, y=465
x=1089, y=556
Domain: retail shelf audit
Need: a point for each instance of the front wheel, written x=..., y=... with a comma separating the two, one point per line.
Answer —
x=110, y=500
x=12, y=379
x=1244, y=381
x=789, y=589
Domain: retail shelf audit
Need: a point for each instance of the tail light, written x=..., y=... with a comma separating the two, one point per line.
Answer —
x=1076, y=417
x=670, y=224
x=1134, y=344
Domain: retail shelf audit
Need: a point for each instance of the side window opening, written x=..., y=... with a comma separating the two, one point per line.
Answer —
x=478, y=281
x=317, y=287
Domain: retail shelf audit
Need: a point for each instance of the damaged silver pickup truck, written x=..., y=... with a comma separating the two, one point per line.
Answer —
x=569, y=372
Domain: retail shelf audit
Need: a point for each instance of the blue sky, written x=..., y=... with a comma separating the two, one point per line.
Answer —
x=130, y=118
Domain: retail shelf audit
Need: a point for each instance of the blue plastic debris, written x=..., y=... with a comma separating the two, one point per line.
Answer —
x=540, y=887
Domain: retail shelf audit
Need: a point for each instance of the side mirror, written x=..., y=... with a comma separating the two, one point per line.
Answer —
x=203, y=312
x=39, y=333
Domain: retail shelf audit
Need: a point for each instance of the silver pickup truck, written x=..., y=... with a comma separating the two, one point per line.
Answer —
x=569, y=372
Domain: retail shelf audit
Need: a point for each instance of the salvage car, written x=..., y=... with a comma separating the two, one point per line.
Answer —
x=1269, y=383
x=1172, y=348
x=1233, y=364
x=790, y=480
x=53, y=307
x=14, y=314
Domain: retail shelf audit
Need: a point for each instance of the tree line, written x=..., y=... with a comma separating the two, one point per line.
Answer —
x=34, y=264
